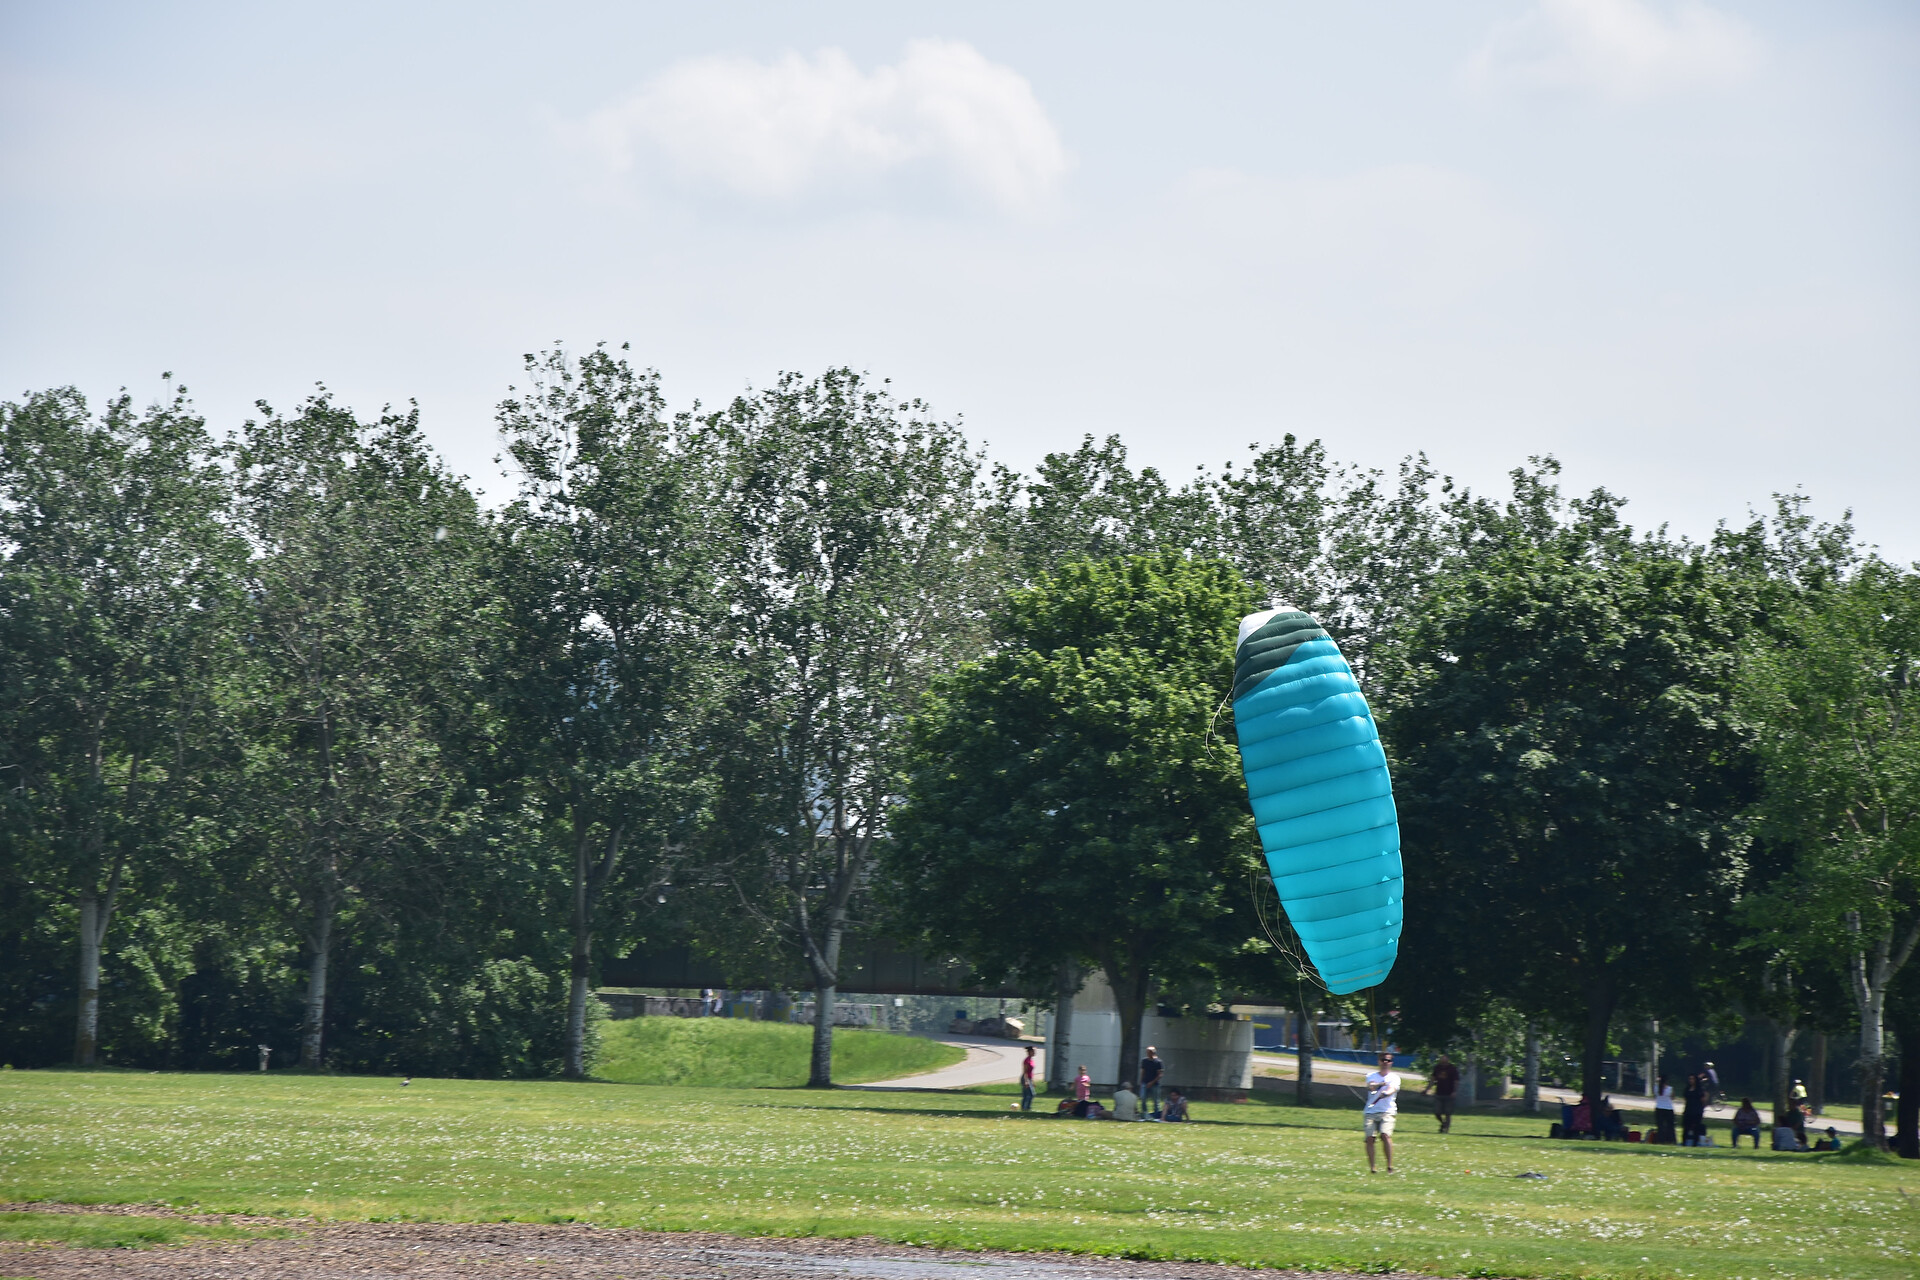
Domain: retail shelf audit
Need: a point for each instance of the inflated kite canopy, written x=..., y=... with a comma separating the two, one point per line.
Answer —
x=1321, y=799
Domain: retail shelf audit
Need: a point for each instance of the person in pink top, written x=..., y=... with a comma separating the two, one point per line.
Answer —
x=1082, y=1091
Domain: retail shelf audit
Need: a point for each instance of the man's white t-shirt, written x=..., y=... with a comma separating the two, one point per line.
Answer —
x=1383, y=1093
x=1126, y=1105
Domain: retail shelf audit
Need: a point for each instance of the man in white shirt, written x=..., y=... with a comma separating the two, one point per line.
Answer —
x=1383, y=1104
x=1126, y=1103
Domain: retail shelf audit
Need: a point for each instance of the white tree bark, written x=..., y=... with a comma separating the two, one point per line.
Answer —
x=1059, y=1072
x=1530, y=1095
x=1873, y=967
x=313, y=1027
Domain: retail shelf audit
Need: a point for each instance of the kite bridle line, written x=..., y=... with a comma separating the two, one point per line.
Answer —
x=1303, y=969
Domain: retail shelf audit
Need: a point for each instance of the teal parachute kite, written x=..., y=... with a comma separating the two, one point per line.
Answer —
x=1318, y=782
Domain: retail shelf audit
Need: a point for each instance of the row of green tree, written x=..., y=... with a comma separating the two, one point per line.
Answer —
x=305, y=742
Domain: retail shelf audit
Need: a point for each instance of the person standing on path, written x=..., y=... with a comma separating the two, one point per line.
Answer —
x=1383, y=1104
x=1026, y=1081
x=1150, y=1068
x=1444, y=1080
x=1663, y=1112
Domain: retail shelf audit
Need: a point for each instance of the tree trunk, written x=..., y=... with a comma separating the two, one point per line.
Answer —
x=1653, y=1057
x=580, y=975
x=1130, y=997
x=93, y=929
x=825, y=961
x=1593, y=1046
x=1303, y=1055
x=313, y=1027
x=1781, y=1047
x=579, y=991
x=96, y=913
x=1530, y=1091
x=590, y=876
x=1469, y=1090
x=820, y=1060
x=1872, y=1068
x=1872, y=969
x=1059, y=1069
x=1906, y=1136
x=1817, y=1074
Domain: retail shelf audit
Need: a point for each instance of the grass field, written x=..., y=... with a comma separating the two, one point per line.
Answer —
x=724, y=1053
x=116, y=1231
x=1255, y=1183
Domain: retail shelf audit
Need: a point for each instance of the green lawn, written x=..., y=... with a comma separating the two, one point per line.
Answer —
x=1256, y=1182
x=115, y=1230
x=724, y=1053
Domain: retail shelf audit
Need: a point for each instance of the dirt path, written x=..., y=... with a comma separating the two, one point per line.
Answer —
x=512, y=1251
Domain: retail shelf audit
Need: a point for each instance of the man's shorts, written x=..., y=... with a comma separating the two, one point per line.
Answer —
x=1379, y=1126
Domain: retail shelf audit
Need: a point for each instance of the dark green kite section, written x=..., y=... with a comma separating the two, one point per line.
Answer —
x=1268, y=649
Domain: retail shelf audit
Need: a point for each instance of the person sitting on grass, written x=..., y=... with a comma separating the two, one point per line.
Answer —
x=1126, y=1103
x=1746, y=1123
x=1832, y=1142
x=1176, y=1106
x=1582, y=1126
x=1785, y=1139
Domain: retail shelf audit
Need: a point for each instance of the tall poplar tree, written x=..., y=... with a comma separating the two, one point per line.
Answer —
x=612, y=579
x=116, y=580
x=362, y=617
x=856, y=574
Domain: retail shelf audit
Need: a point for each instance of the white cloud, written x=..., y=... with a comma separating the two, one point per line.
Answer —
x=798, y=126
x=1624, y=50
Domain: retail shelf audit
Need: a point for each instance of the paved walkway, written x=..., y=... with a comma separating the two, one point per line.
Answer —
x=988, y=1061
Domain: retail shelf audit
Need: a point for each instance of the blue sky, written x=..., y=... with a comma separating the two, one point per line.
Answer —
x=1673, y=244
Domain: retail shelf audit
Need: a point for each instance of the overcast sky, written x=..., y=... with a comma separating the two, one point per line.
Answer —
x=1674, y=244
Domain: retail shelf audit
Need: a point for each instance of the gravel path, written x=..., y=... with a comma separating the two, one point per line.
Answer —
x=509, y=1251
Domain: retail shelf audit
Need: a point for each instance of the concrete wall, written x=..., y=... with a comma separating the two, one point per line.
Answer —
x=1200, y=1053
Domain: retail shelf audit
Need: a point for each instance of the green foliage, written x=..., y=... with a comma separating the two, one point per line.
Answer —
x=1267, y=1185
x=857, y=575
x=609, y=572
x=119, y=1230
x=1065, y=801
x=116, y=590
x=1569, y=772
x=725, y=1053
x=1835, y=705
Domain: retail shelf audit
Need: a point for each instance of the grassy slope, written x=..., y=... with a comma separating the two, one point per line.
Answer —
x=1253, y=1183
x=722, y=1053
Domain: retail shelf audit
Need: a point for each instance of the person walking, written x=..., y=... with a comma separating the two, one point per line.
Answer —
x=1383, y=1104
x=1026, y=1081
x=1663, y=1112
x=1444, y=1080
x=1150, y=1068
